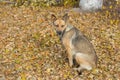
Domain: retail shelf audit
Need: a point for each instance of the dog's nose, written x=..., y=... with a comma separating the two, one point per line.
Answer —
x=59, y=32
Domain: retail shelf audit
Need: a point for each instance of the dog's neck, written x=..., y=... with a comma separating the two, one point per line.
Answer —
x=69, y=27
x=62, y=34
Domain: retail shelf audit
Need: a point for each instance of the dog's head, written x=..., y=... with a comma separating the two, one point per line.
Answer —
x=60, y=24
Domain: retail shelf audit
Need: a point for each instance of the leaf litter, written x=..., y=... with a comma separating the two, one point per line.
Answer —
x=31, y=50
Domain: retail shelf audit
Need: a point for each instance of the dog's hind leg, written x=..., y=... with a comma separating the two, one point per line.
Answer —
x=84, y=64
x=78, y=69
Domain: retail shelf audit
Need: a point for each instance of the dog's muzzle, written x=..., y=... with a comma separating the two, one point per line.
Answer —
x=59, y=32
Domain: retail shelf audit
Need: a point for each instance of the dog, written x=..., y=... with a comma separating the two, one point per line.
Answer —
x=77, y=45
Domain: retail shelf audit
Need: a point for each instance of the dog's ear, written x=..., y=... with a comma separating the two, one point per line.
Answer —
x=53, y=17
x=66, y=17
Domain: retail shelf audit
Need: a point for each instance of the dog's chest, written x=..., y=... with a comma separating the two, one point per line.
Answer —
x=67, y=40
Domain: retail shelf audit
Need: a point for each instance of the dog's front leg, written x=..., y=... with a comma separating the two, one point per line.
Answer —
x=70, y=57
x=70, y=60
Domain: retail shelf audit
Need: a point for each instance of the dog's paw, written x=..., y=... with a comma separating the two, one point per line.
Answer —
x=71, y=64
x=75, y=69
x=78, y=71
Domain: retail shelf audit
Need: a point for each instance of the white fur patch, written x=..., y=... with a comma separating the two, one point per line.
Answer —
x=69, y=27
x=88, y=67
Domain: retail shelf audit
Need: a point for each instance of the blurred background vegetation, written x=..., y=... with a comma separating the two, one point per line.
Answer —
x=41, y=3
x=50, y=3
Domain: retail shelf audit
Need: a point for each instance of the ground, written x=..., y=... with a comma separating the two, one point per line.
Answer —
x=31, y=50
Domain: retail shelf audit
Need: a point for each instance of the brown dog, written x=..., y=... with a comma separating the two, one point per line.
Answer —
x=77, y=45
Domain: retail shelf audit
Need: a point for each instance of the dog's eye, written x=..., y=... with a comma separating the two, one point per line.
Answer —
x=62, y=26
x=57, y=25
